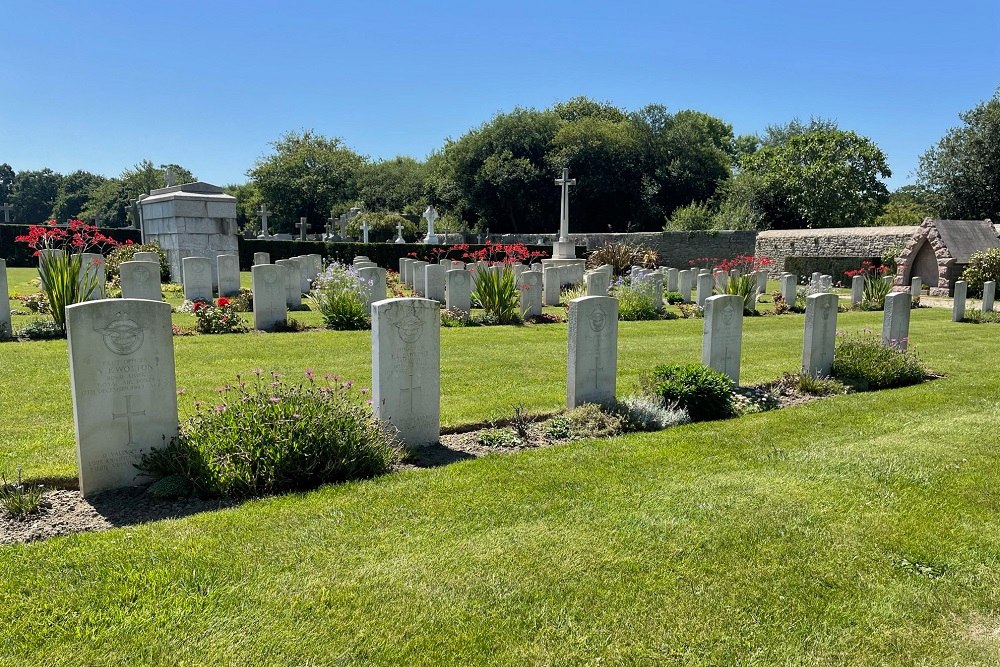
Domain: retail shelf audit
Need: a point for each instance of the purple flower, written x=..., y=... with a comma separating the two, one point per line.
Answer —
x=274, y=399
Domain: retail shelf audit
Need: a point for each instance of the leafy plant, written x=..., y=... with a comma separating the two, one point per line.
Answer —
x=496, y=292
x=268, y=436
x=744, y=286
x=558, y=428
x=983, y=266
x=35, y=303
x=40, y=330
x=591, y=420
x=341, y=297
x=863, y=363
x=705, y=393
x=636, y=300
x=982, y=317
x=622, y=256
x=126, y=253
x=807, y=384
x=497, y=437
x=18, y=499
x=218, y=318
x=673, y=298
x=456, y=317
x=644, y=412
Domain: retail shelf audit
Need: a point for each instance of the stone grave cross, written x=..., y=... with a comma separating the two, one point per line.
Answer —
x=399, y=233
x=564, y=183
x=263, y=213
x=364, y=231
x=431, y=215
x=6, y=208
x=303, y=227
x=330, y=223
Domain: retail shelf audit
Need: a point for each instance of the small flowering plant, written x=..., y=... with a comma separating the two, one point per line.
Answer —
x=218, y=318
x=65, y=277
x=876, y=287
x=341, y=296
x=265, y=434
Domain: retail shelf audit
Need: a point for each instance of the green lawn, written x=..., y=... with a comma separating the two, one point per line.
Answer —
x=858, y=530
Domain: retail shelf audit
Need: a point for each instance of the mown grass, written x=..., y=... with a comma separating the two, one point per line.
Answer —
x=858, y=530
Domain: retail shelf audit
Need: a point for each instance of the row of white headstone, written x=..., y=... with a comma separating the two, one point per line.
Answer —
x=961, y=292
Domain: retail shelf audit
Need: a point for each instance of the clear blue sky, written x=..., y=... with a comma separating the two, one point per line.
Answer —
x=101, y=86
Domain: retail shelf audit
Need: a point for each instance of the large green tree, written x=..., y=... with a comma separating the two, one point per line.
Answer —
x=308, y=175
x=392, y=185
x=818, y=178
x=32, y=195
x=75, y=190
x=962, y=172
x=7, y=176
x=110, y=199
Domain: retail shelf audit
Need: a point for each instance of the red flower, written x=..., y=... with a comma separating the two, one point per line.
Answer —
x=222, y=301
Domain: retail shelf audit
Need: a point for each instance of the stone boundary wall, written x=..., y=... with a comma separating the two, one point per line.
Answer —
x=676, y=249
x=860, y=242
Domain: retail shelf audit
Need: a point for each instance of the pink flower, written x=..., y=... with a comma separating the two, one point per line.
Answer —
x=274, y=399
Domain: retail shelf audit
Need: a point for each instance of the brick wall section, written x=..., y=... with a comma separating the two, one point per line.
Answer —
x=862, y=242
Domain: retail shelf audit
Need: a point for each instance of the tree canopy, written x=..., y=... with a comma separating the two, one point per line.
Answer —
x=962, y=172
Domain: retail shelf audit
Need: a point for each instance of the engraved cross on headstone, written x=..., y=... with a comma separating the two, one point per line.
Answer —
x=410, y=388
x=303, y=227
x=564, y=182
x=127, y=415
x=6, y=208
x=264, y=214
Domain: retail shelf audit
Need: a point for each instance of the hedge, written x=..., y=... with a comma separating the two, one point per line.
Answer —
x=831, y=266
x=19, y=254
x=386, y=255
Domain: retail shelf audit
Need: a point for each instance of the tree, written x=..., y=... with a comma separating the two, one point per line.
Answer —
x=33, y=195
x=75, y=190
x=7, y=176
x=962, y=172
x=908, y=205
x=308, y=176
x=247, y=206
x=392, y=185
x=818, y=178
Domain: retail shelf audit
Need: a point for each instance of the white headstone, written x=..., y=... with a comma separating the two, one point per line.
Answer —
x=293, y=283
x=406, y=271
x=229, y=274
x=430, y=215
x=655, y=281
x=597, y=283
x=684, y=279
x=989, y=294
x=315, y=265
x=820, y=334
x=788, y=281
x=896, y=320
x=419, y=278
x=458, y=290
x=140, y=280
x=270, y=296
x=761, y=281
x=197, y=273
x=672, y=280
x=593, y=350
x=145, y=256
x=304, y=269
x=261, y=258
x=121, y=359
x=6, y=328
x=857, y=290
x=722, y=337
x=406, y=368
x=530, y=287
x=373, y=282
x=958, y=303
x=705, y=285
x=550, y=283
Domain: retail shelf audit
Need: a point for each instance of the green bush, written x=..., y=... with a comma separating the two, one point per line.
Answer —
x=341, y=297
x=267, y=436
x=865, y=364
x=39, y=330
x=622, y=256
x=590, y=420
x=18, y=499
x=125, y=253
x=497, y=437
x=644, y=412
x=693, y=217
x=635, y=300
x=705, y=393
x=218, y=318
x=983, y=266
x=876, y=289
x=673, y=298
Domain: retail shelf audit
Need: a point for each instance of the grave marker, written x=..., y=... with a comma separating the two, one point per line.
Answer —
x=593, y=351
x=857, y=290
x=419, y=278
x=551, y=286
x=140, y=280
x=229, y=274
x=293, y=283
x=197, y=278
x=260, y=258
x=458, y=290
x=788, y=282
x=989, y=293
x=92, y=269
x=722, y=335
x=896, y=320
x=958, y=303
x=270, y=292
x=121, y=359
x=406, y=368
x=684, y=284
x=530, y=287
x=373, y=280
x=820, y=334
x=6, y=328
x=704, y=290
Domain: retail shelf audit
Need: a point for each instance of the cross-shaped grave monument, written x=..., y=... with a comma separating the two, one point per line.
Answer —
x=303, y=226
x=264, y=214
x=6, y=208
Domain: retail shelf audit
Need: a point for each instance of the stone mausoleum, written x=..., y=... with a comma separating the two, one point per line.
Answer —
x=190, y=220
x=939, y=251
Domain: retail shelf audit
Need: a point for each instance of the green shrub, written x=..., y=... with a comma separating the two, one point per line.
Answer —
x=673, y=298
x=705, y=393
x=497, y=437
x=267, y=436
x=865, y=364
x=981, y=317
x=693, y=217
x=635, y=300
x=744, y=286
x=590, y=420
x=126, y=253
x=35, y=303
x=558, y=428
x=218, y=318
x=341, y=297
x=39, y=330
x=497, y=294
x=983, y=266
x=622, y=256
x=875, y=291
x=644, y=412
x=20, y=500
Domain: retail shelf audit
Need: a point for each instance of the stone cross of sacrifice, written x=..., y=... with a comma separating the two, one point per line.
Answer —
x=431, y=215
x=303, y=227
x=564, y=182
x=263, y=213
x=6, y=208
x=399, y=233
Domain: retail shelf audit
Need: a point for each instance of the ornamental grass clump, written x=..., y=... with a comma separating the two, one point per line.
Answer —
x=269, y=436
x=19, y=499
x=864, y=363
x=876, y=286
x=705, y=393
x=341, y=296
x=497, y=294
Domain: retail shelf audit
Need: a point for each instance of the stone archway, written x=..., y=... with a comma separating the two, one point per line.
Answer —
x=925, y=265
